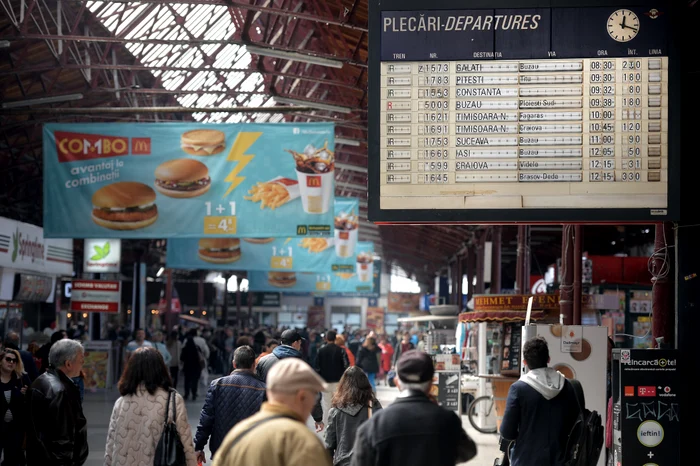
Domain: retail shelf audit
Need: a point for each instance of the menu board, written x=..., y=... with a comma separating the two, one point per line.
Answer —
x=527, y=114
x=446, y=389
x=512, y=337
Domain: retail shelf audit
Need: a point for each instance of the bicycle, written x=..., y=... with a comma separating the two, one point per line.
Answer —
x=476, y=408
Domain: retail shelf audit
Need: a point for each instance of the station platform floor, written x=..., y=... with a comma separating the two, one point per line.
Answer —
x=97, y=407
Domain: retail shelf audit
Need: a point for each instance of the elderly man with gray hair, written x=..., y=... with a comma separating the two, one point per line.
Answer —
x=57, y=431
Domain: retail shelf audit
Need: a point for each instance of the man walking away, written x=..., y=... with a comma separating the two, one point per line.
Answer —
x=138, y=341
x=331, y=362
x=57, y=434
x=290, y=348
x=540, y=411
x=230, y=399
x=275, y=436
x=413, y=430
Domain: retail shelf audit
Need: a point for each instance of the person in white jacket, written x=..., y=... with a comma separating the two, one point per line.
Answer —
x=139, y=414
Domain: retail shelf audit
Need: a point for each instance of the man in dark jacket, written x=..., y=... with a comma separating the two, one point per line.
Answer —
x=57, y=434
x=290, y=348
x=43, y=353
x=540, y=411
x=413, y=430
x=331, y=362
x=12, y=342
x=229, y=400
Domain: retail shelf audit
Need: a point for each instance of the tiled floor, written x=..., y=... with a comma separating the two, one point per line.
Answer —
x=98, y=408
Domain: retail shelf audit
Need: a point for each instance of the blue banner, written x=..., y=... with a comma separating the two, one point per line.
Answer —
x=188, y=180
x=295, y=254
x=358, y=280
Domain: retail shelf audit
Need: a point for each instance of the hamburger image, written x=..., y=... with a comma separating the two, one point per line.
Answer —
x=125, y=205
x=182, y=178
x=258, y=240
x=219, y=250
x=282, y=279
x=203, y=142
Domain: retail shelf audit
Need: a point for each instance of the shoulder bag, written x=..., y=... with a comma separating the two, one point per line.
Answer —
x=170, y=451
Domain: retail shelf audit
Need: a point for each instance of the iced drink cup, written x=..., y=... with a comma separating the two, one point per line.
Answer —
x=365, y=267
x=316, y=191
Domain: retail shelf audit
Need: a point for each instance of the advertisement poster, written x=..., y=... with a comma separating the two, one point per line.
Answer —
x=403, y=302
x=165, y=180
x=356, y=277
x=293, y=254
x=96, y=367
x=375, y=319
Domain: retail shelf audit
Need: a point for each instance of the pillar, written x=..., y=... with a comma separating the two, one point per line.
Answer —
x=566, y=311
x=577, y=260
x=663, y=315
x=496, y=260
x=169, y=320
x=480, y=287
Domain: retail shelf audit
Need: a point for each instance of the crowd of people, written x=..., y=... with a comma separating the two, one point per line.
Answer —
x=283, y=378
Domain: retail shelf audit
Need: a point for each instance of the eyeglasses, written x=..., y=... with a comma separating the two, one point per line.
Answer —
x=12, y=360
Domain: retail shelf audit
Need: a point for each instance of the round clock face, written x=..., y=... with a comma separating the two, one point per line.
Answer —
x=623, y=25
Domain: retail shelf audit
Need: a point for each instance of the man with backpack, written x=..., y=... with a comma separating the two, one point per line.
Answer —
x=541, y=411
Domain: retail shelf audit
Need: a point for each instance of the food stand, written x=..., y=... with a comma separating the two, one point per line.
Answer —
x=441, y=345
x=495, y=339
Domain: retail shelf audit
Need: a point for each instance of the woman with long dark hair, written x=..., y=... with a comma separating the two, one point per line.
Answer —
x=140, y=413
x=368, y=359
x=192, y=364
x=352, y=404
x=13, y=409
x=174, y=348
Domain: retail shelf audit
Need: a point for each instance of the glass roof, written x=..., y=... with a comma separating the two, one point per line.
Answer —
x=237, y=86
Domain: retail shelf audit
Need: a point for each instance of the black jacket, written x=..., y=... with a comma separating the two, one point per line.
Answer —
x=412, y=431
x=57, y=430
x=230, y=399
x=331, y=362
x=367, y=359
x=279, y=353
x=17, y=405
x=342, y=426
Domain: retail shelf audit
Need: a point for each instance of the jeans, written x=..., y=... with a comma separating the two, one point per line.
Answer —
x=372, y=381
x=80, y=383
x=174, y=371
x=191, y=383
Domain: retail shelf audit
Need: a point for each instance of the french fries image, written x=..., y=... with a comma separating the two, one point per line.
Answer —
x=270, y=195
x=345, y=275
x=314, y=244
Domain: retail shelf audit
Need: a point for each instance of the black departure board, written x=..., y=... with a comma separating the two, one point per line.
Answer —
x=521, y=112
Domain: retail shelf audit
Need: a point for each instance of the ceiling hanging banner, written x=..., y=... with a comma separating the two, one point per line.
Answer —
x=357, y=278
x=294, y=254
x=188, y=180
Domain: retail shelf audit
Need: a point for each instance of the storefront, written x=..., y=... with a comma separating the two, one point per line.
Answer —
x=30, y=267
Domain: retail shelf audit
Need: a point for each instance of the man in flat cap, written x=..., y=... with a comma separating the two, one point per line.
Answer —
x=276, y=436
x=413, y=429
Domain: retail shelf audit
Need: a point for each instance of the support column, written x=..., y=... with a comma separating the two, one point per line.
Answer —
x=224, y=306
x=520, y=280
x=578, y=259
x=496, y=260
x=663, y=316
x=200, y=293
x=458, y=284
x=169, y=316
x=527, y=260
x=471, y=271
x=566, y=312
x=480, y=287
x=239, y=317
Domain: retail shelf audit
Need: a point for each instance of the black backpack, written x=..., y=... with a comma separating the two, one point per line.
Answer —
x=586, y=438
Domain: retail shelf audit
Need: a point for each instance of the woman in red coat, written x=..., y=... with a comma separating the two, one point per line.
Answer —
x=340, y=341
x=387, y=356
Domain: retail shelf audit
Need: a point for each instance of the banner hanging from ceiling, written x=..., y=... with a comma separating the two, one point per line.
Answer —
x=357, y=278
x=293, y=254
x=188, y=180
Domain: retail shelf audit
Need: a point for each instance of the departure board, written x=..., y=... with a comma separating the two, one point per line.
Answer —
x=521, y=114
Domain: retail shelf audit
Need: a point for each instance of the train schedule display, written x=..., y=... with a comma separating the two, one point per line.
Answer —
x=521, y=114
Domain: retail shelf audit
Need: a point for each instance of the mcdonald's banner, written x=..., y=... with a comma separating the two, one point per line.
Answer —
x=188, y=180
x=294, y=254
x=358, y=278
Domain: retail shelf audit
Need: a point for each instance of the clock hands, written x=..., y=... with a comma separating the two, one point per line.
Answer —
x=624, y=25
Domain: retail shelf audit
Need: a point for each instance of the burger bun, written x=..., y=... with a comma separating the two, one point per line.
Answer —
x=258, y=240
x=125, y=225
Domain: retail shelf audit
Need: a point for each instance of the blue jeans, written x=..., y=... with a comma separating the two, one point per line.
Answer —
x=372, y=382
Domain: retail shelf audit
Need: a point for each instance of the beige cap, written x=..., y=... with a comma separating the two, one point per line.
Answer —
x=291, y=375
